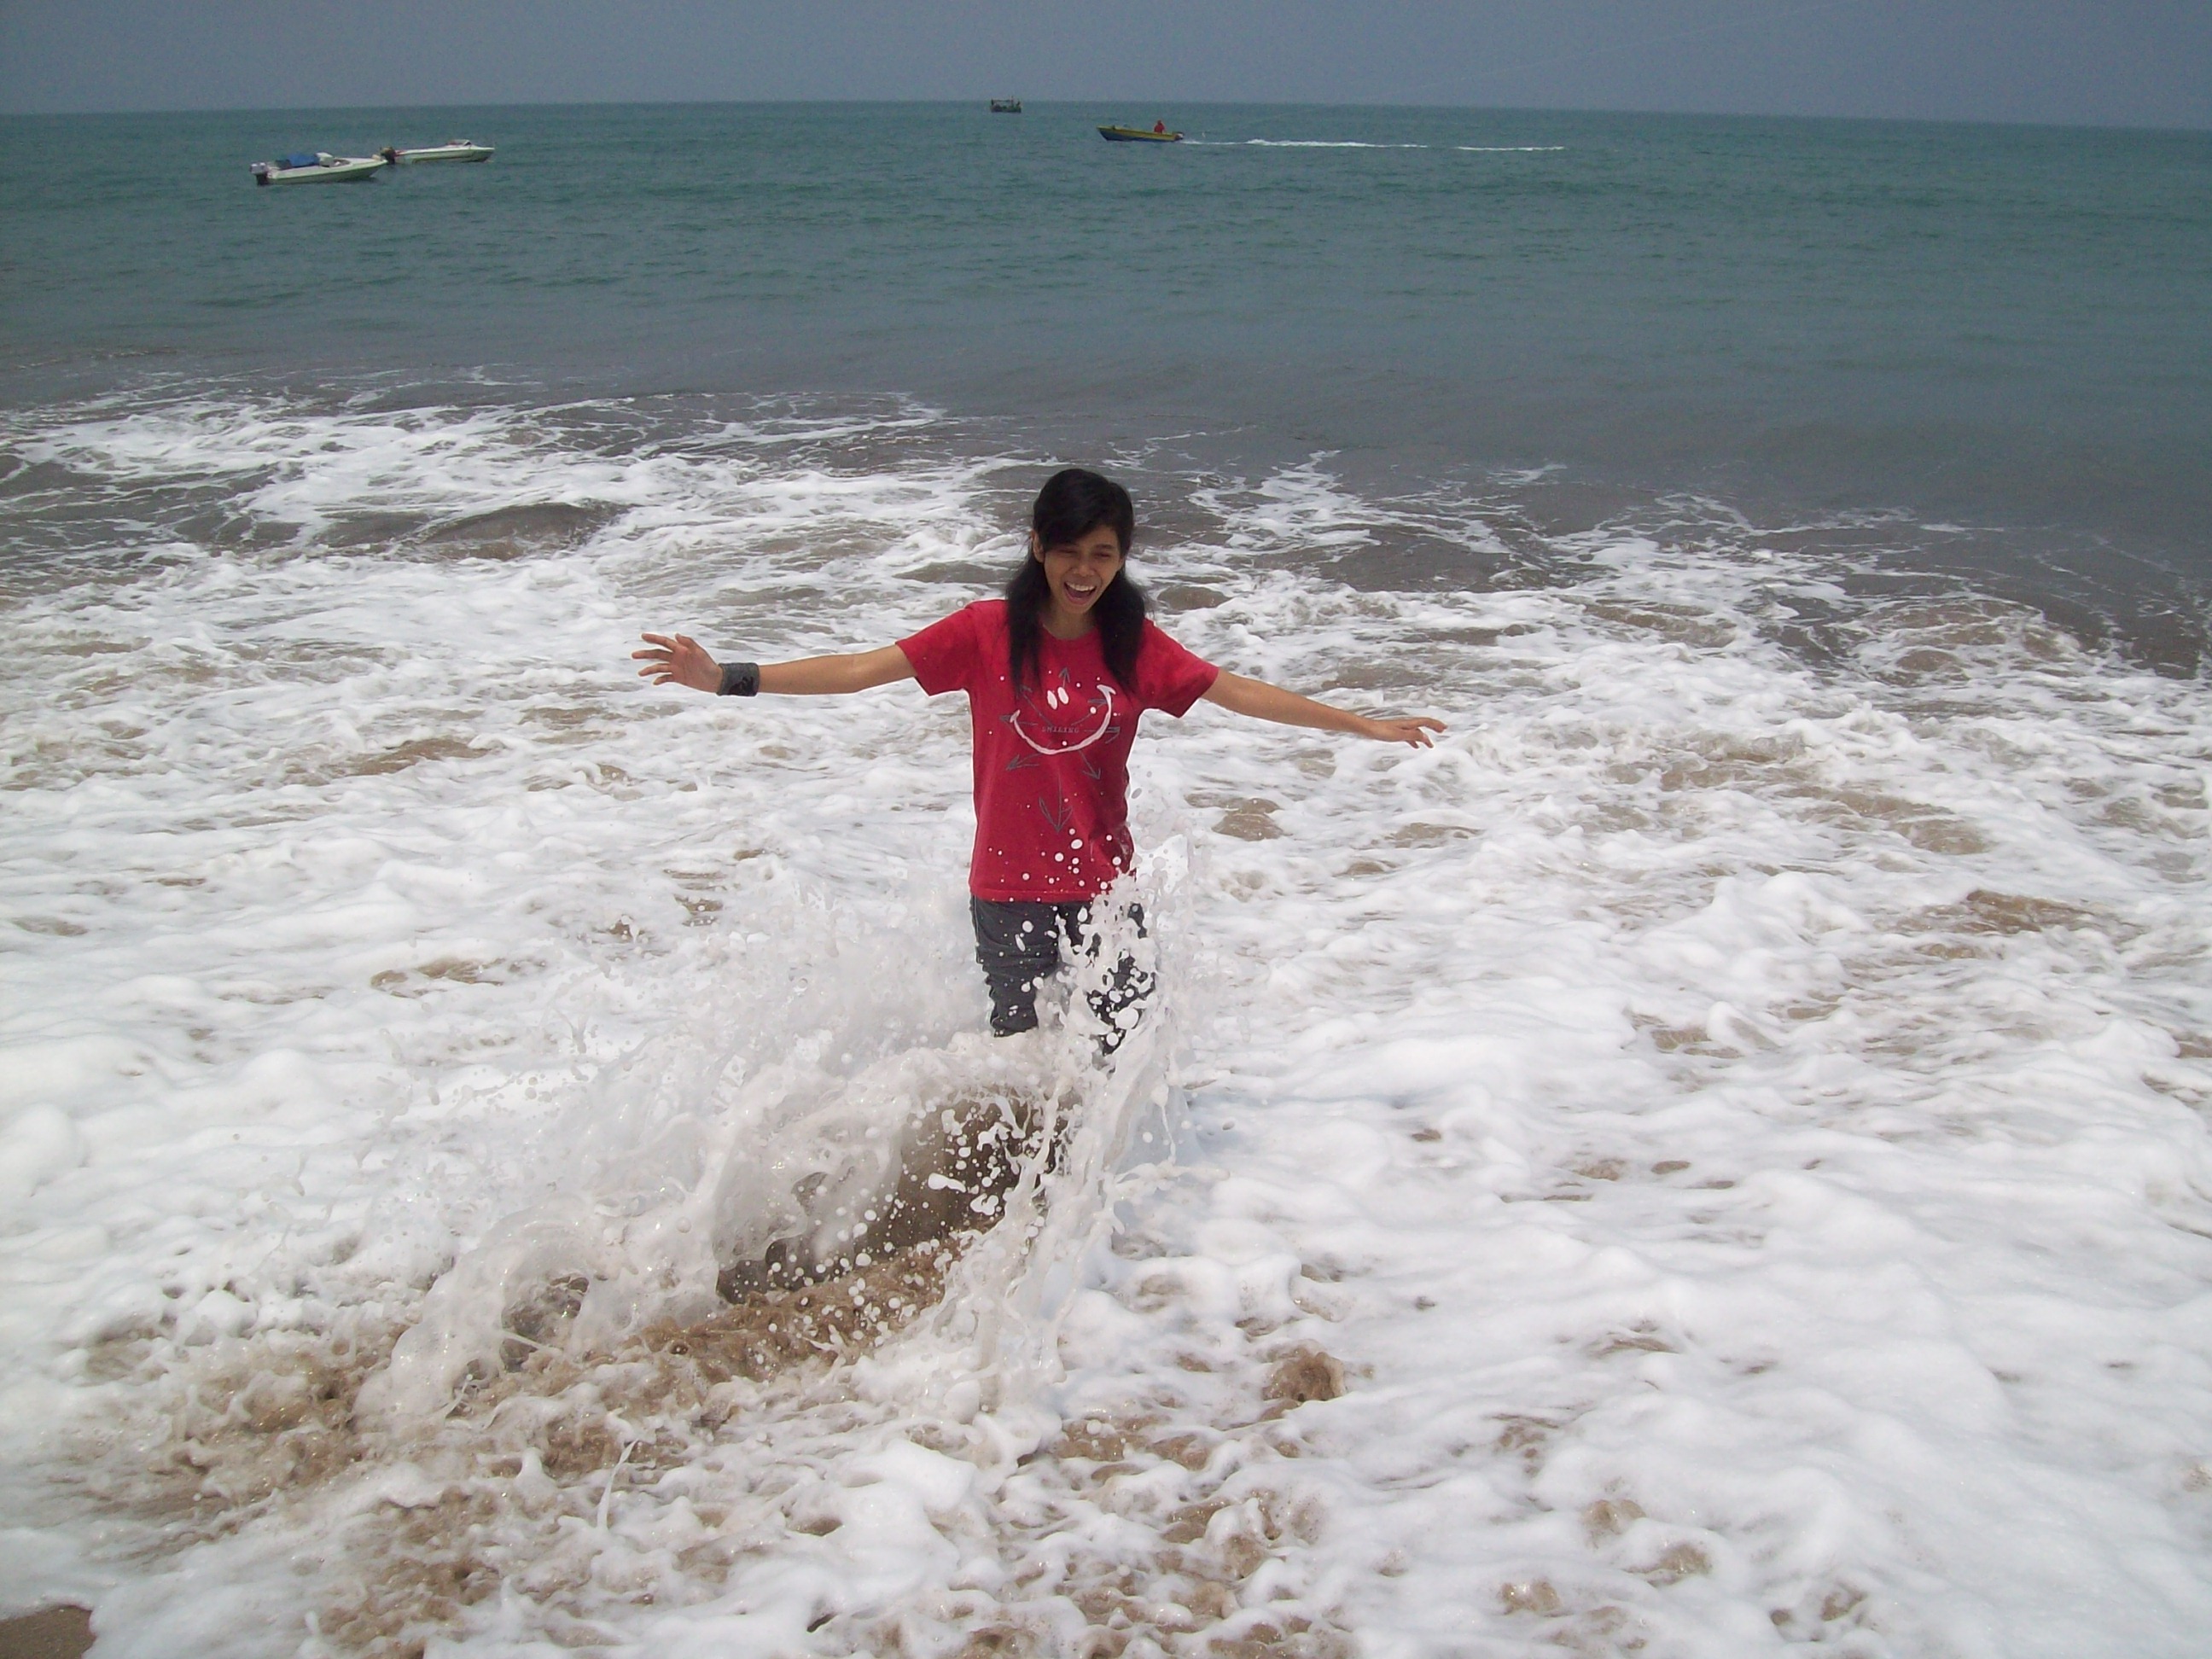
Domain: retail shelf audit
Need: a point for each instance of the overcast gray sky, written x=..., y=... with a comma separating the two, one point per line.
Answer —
x=2135, y=61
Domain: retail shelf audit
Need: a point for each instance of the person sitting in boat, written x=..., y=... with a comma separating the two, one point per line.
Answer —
x=1057, y=673
x=1159, y=126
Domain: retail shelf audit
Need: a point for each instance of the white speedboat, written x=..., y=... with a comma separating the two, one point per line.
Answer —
x=321, y=166
x=453, y=150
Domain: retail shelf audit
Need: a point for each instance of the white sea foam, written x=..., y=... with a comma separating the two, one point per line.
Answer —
x=1712, y=1157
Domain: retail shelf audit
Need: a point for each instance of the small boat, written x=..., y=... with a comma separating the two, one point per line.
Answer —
x=1006, y=106
x=1153, y=135
x=320, y=167
x=453, y=150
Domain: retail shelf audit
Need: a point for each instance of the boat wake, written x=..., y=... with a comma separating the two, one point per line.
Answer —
x=1359, y=144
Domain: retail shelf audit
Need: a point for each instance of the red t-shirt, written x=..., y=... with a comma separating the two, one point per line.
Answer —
x=1052, y=760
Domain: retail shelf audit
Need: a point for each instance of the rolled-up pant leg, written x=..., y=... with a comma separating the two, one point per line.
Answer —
x=1018, y=946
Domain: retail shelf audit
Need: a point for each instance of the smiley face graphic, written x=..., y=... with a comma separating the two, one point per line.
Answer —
x=1063, y=719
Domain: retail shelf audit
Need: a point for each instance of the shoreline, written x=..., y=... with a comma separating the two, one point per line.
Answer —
x=1421, y=525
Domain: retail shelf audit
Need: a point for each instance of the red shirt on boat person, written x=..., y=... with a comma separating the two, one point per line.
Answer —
x=1057, y=674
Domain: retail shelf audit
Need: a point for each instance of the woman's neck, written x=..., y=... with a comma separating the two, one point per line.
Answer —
x=1061, y=626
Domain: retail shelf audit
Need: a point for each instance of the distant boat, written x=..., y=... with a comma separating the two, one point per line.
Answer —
x=1154, y=135
x=453, y=150
x=320, y=167
x=1006, y=106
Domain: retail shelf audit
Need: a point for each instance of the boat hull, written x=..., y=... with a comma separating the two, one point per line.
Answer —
x=438, y=153
x=1138, y=135
x=339, y=169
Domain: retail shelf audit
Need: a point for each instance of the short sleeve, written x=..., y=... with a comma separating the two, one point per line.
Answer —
x=945, y=654
x=1169, y=677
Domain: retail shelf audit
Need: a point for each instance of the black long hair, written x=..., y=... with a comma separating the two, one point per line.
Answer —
x=1072, y=503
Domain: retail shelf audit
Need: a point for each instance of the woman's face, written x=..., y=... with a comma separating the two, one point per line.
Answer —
x=1077, y=572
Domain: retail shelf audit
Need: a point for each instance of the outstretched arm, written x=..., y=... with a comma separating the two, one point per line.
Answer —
x=679, y=659
x=1263, y=701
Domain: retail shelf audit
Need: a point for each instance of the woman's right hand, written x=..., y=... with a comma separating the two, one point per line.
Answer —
x=1416, y=731
x=677, y=659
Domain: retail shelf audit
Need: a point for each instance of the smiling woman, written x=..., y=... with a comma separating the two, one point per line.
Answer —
x=1057, y=673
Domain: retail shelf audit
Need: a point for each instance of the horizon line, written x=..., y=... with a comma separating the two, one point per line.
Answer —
x=1158, y=103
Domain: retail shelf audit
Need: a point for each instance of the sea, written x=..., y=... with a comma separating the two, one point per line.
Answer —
x=1711, y=1158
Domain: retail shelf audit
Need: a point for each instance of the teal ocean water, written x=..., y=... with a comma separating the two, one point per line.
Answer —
x=2005, y=331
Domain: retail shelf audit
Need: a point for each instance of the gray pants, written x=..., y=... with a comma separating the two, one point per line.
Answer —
x=1018, y=945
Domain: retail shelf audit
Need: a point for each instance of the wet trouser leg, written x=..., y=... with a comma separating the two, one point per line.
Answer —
x=1018, y=947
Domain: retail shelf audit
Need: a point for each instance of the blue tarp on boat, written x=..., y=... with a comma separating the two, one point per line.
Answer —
x=287, y=162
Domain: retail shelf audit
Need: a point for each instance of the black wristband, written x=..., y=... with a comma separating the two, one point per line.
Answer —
x=740, y=679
